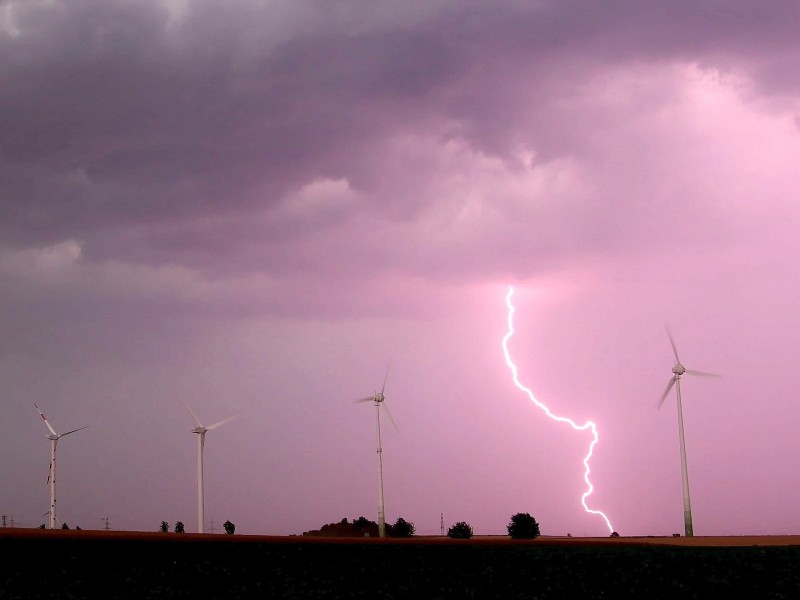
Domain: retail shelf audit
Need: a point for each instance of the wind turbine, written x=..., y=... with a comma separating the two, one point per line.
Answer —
x=51, y=478
x=379, y=399
x=678, y=370
x=201, y=431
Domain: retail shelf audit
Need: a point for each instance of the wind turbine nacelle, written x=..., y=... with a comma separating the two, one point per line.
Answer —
x=679, y=369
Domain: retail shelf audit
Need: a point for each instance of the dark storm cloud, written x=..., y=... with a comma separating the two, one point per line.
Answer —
x=121, y=115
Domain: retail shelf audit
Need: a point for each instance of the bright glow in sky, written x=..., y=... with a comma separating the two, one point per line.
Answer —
x=254, y=207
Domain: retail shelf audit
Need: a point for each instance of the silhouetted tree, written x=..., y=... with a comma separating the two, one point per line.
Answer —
x=42, y=526
x=178, y=526
x=363, y=527
x=360, y=527
x=164, y=527
x=460, y=531
x=78, y=527
x=523, y=527
x=64, y=526
x=229, y=527
x=400, y=529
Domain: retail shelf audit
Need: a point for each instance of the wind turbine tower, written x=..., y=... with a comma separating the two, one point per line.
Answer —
x=51, y=478
x=201, y=431
x=677, y=371
x=380, y=401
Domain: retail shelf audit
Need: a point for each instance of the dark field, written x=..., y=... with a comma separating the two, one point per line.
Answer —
x=80, y=564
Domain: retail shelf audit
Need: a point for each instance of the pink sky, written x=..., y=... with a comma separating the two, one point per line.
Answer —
x=256, y=207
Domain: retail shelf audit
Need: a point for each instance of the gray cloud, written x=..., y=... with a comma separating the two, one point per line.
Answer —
x=125, y=125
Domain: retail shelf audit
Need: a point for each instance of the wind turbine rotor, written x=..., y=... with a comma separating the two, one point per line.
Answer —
x=220, y=423
x=388, y=414
x=385, y=377
x=194, y=416
x=672, y=342
x=73, y=431
x=666, y=392
x=46, y=422
x=701, y=373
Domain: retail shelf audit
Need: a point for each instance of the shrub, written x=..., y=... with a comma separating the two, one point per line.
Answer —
x=523, y=527
x=360, y=527
x=361, y=521
x=229, y=527
x=460, y=531
x=164, y=527
x=179, y=527
x=401, y=529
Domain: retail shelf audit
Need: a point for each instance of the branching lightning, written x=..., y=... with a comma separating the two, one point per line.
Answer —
x=588, y=425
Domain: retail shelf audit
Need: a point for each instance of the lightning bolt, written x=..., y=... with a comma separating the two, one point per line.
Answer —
x=588, y=425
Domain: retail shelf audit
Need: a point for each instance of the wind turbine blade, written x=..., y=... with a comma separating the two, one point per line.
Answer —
x=194, y=416
x=666, y=392
x=385, y=378
x=389, y=414
x=73, y=431
x=46, y=422
x=367, y=399
x=215, y=425
x=702, y=373
x=672, y=341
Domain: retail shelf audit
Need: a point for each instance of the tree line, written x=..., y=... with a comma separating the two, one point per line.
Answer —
x=229, y=527
x=521, y=526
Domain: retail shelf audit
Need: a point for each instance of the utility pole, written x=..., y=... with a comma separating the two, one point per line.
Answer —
x=441, y=523
x=8, y=522
x=105, y=521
